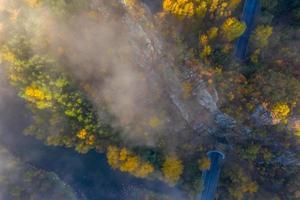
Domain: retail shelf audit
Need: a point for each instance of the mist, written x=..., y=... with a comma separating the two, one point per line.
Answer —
x=162, y=88
x=99, y=54
x=103, y=54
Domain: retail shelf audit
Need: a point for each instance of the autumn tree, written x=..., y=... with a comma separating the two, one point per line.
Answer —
x=184, y=8
x=172, y=169
x=204, y=163
x=33, y=3
x=261, y=35
x=232, y=28
x=240, y=183
x=277, y=88
x=56, y=104
x=216, y=37
x=126, y=161
x=280, y=111
x=200, y=8
x=249, y=151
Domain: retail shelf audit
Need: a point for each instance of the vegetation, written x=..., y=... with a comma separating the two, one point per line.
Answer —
x=261, y=93
x=126, y=161
x=204, y=163
x=172, y=169
x=54, y=100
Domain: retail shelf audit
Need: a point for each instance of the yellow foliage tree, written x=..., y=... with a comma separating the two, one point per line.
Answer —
x=248, y=187
x=126, y=161
x=82, y=134
x=172, y=170
x=199, y=8
x=9, y=57
x=187, y=89
x=33, y=3
x=34, y=93
x=91, y=140
x=130, y=2
x=213, y=6
x=14, y=14
x=203, y=39
x=207, y=50
x=112, y=156
x=130, y=164
x=232, y=28
x=241, y=183
x=185, y=8
x=212, y=32
x=144, y=170
x=233, y=4
x=204, y=163
x=216, y=12
x=39, y=96
x=261, y=35
x=281, y=111
x=123, y=154
x=154, y=122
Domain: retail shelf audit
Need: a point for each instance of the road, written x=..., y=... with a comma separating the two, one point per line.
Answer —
x=249, y=14
x=210, y=177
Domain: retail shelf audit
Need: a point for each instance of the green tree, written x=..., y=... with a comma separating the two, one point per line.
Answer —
x=53, y=99
x=240, y=183
x=261, y=35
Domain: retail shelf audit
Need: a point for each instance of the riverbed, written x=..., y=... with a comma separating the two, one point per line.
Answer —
x=88, y=174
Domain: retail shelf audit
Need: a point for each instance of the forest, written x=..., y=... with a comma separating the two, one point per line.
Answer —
x=155, y=89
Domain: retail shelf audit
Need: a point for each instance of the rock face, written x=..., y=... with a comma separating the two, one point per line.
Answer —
x=153, y=54
x=288, y=158
x=262, y=116
x=147, y=51
x=206, y=99
x=224, y=121
x=200, y=112
x=294, y=123
x=150, y=54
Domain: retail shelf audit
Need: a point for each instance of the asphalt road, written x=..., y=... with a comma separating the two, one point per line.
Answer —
x=211, y=177
x=249, y=14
